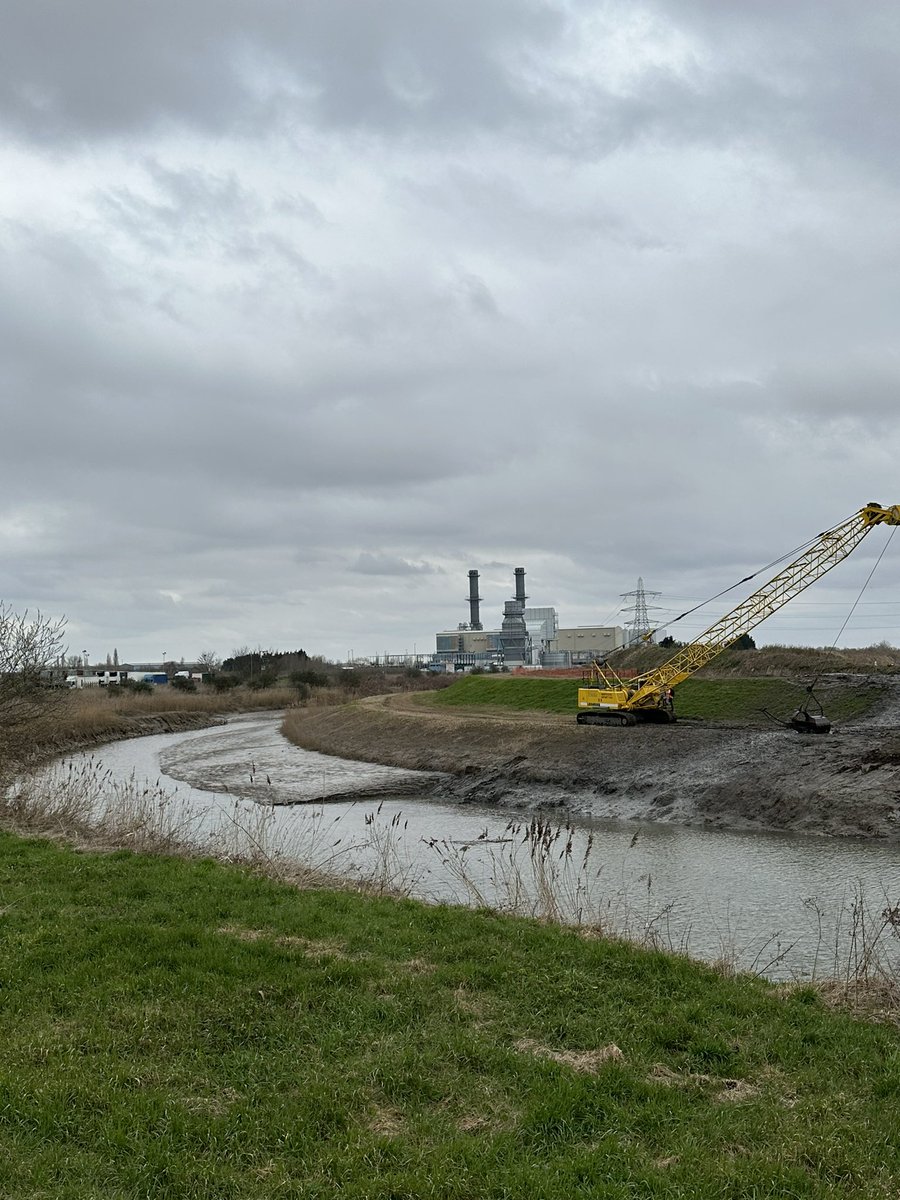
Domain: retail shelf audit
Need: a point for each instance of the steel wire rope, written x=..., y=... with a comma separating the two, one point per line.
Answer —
x=862, y=590
x=724, y=592
x=774, y=563
x=789, y=554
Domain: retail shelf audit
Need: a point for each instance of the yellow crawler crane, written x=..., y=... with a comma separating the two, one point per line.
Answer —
x=613, y=701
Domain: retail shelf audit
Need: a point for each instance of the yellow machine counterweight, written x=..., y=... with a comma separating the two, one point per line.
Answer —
x=613, y=701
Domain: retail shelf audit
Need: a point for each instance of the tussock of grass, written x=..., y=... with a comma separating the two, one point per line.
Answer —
x=698, y=699
x=167, y=1030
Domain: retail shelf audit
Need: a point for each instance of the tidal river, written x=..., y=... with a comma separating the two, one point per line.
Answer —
x=784, y=905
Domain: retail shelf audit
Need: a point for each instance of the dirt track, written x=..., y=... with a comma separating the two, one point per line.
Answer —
x=846, y=784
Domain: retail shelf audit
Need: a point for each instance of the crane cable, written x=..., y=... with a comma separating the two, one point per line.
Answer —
x=703, y=603
x=864, y=586
x=853, y=607
x=774, y=563
x=790, y=554
x=724, y=592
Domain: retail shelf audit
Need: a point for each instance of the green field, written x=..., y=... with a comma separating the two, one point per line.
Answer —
x=698, y=699
x=180, y=1029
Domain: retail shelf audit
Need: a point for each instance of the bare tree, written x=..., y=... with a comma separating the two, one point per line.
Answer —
x=209, y=661
x=31, y=645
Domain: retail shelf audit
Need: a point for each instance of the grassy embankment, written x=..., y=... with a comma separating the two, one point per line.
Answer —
x=696, y=699
x=182, y=1029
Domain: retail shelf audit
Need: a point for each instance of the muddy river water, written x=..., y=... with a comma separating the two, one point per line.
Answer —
x=782, y=904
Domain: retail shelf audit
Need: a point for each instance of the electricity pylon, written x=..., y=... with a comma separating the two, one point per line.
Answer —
x=639, y=625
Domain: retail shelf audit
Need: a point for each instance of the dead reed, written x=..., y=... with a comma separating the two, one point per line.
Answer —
x=86, y=804
x=535, y=869
x=81, y=802
x=96, y=705
x=84, y=718
x=857, y=963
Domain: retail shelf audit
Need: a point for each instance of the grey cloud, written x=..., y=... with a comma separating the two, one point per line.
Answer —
x=819, y=76
x=860, y=385
x=189, y=201
x=389, y=564
x=104, y=69
x=428, y=290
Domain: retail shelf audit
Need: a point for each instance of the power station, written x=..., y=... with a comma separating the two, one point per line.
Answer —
x=526, y=637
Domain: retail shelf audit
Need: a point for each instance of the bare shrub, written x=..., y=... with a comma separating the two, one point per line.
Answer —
x=30, y=646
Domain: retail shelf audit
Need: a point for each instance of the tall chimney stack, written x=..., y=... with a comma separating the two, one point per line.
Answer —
x=520, y=585
x=474, y=600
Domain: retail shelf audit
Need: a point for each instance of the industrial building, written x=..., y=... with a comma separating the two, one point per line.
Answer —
x=526, y=636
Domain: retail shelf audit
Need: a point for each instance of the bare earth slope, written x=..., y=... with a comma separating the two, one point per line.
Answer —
x=845, y=784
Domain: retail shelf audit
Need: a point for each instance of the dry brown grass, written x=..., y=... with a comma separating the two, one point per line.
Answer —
x=585, y=1061
x=782, y=661
x=169, y=700
x=86, y=718
x=802, y=661
x=312, y=948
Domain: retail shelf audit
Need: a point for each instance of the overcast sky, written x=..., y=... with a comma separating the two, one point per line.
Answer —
x=307, y=307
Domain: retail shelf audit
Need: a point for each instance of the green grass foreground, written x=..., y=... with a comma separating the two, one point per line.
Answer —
x=177, y=1028
x=697, y=699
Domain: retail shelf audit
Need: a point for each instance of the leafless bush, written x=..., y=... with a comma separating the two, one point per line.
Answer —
x=30, y=646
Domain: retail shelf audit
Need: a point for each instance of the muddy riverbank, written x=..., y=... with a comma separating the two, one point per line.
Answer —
x=744, y=778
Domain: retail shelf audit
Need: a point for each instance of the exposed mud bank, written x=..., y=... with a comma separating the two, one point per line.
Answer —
x=846, y=784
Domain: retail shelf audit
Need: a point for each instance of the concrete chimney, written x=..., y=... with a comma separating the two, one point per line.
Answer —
x=474, y=601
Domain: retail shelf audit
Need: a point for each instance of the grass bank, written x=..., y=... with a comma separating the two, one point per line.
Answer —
x=183, y=1029
x=696, y=699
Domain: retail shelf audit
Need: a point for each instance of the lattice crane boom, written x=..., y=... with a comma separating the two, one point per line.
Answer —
x=649, y=696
